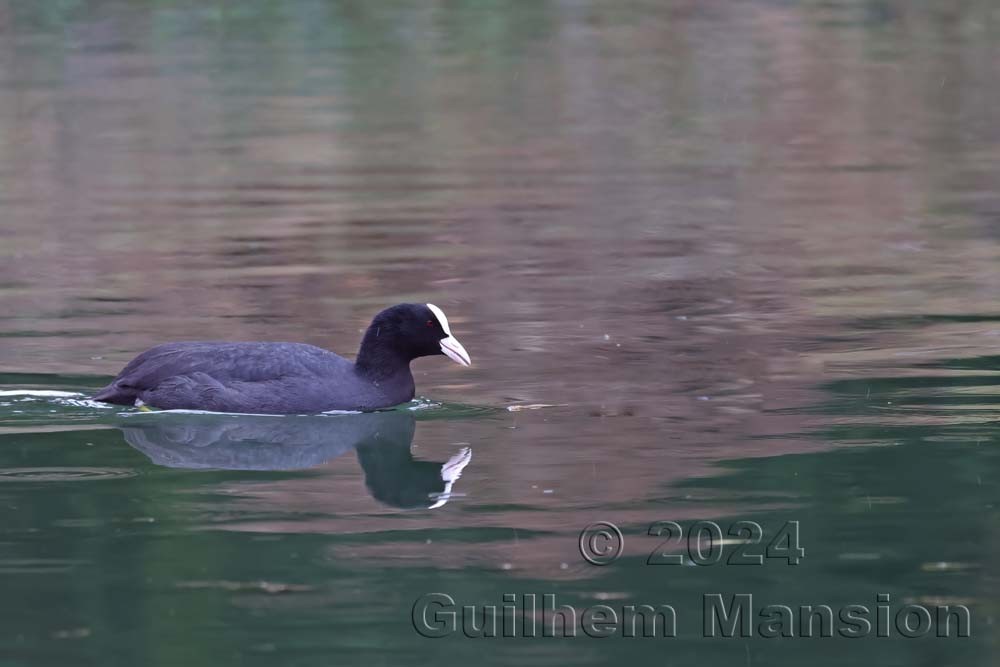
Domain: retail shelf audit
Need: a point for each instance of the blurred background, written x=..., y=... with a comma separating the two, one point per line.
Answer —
x=745, y=254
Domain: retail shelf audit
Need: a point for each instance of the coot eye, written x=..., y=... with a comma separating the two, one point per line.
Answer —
x=430, y=323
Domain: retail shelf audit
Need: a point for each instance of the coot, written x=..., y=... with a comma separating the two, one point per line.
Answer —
x=289, y=378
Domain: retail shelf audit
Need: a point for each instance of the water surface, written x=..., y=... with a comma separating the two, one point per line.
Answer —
x=713, y=261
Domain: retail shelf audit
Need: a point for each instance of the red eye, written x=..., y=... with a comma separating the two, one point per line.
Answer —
x=430, y=323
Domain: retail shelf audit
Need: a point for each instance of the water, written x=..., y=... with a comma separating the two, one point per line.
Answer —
x=713, y=262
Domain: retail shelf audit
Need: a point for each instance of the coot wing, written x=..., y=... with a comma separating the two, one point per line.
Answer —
x=221, y=365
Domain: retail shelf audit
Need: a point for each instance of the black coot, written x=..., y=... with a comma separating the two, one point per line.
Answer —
x=289, y=378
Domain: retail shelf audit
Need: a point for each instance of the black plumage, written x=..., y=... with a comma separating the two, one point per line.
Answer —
x=289, y=378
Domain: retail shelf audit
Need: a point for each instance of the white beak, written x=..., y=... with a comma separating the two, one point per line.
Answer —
x=455, y=351
x=450, y=345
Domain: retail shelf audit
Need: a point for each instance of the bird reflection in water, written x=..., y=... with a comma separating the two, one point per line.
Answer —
x=256, y=442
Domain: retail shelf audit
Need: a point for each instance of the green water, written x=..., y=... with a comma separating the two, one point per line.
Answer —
x=714, y=262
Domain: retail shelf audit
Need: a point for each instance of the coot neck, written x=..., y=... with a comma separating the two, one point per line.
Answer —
x=380, y=358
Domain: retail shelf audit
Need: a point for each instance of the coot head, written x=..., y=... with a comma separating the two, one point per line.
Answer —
x=414, y=330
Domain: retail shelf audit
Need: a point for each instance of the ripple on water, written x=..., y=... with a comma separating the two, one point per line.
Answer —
x=48, y=407
x=59, y=398
x=59, y=474
x=426, y=409
x=20, y=407
x=37, y=565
